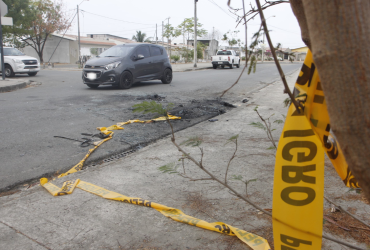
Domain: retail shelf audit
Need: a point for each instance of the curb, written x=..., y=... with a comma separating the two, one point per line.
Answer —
x=186, y=70
x=14, y=87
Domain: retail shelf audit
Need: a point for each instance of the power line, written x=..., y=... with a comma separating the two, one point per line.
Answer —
x=114, y=18
x=211, y=1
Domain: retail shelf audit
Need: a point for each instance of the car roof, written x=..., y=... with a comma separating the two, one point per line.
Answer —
x=137, y=44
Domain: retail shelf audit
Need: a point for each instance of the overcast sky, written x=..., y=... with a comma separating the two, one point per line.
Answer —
x=124, y=17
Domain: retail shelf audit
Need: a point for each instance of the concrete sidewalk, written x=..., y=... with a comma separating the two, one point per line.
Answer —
x=33, y=219
x=10, y=84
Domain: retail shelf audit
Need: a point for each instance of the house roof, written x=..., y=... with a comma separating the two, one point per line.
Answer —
x=92, y=41
x=64, y=37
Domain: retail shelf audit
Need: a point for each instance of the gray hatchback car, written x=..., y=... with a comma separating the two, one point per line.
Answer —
x=123, y=65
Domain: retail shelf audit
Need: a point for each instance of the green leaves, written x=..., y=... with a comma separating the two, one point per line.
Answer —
x=233, y=139
x=152, y=107
x=258, y=125
x=194, y=141
x=170, y=168
x=278, y=121
x=240, y=178
x=237, y=177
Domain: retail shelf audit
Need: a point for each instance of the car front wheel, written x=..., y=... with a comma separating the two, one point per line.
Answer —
x=126, y=80
x=215, y=66
x=167, y=76
x=238, y=65
x=9, y=71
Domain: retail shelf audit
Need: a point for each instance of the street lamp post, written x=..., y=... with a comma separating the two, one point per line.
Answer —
x=195, y=33
x=79, y=39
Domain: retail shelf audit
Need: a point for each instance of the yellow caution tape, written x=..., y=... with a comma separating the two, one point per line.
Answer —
x=299, y=168
x=79, y=165
x=317, y=114
x=254, y=241
x=108, y=131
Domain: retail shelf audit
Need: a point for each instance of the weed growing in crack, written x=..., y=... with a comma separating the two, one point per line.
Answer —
x=267, y=126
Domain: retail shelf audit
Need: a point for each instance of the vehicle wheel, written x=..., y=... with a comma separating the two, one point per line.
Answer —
x=215, y=66
x=238, y=65
x=32, y=74
x=93, y=86
x=9, y=71
x=126, y=80
x=231, y=66
x=222, y=66
x=167, y=76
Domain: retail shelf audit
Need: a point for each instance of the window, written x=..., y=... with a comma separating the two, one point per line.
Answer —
x=224, y=52
x=156, y=51
x=143, y=50
x=116, y=51
x=12, y=52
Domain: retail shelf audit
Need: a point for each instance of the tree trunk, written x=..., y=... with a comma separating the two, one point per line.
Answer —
x=41, y=56
x=339, y=36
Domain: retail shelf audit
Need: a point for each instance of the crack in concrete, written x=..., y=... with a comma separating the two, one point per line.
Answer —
x=26, y=235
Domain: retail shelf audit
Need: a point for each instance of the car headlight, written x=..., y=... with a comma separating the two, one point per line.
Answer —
x=17, y=61
x=112, y=65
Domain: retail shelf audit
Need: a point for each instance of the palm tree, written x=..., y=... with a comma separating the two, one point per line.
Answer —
x=140, y=37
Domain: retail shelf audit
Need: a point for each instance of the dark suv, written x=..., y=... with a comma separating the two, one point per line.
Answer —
x=123, y=65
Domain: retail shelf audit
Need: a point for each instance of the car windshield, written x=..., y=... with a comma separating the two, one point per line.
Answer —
x=116, y=51
x=12, y=52
x=223, y=53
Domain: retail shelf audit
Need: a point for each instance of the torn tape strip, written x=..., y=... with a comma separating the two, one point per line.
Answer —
x=254, y=241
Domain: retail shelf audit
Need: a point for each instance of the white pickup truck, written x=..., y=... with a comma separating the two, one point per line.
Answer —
x=226, y=57
x=17, y=62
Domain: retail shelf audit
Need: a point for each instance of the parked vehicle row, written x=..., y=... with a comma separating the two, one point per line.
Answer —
x=123, y=65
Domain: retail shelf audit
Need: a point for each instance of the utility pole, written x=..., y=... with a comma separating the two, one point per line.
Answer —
x=263, y=47
x=168, y=39
x=211, y=45
x=195, y=33
x=79, y=41
x=156, y=36
x=162, y=34
x=2, y=51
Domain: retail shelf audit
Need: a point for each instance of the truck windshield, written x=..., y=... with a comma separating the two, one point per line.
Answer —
x=116, y=51
x=222, y=53
x=12, y=52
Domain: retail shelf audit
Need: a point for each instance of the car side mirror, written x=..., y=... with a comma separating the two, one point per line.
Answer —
x=139, y=57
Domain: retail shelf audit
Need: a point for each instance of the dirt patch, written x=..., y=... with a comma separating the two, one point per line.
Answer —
x=343, y=225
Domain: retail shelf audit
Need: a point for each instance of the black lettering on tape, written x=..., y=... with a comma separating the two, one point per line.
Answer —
x=299, y=174
x=148, y=203
x=318, y=99
x=302, y=80
x=311, y=194
x=318, y=87
x=298, y=133
x=293, y=242
x=301, y=156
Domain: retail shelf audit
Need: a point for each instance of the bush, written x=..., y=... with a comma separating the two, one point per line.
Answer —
x=243, y=58
x=175, y=58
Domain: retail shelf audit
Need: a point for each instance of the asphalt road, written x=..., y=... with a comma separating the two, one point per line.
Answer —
x=63, y=106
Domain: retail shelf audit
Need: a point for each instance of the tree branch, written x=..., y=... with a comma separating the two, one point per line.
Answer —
x=232, y=157
x=287, y=90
